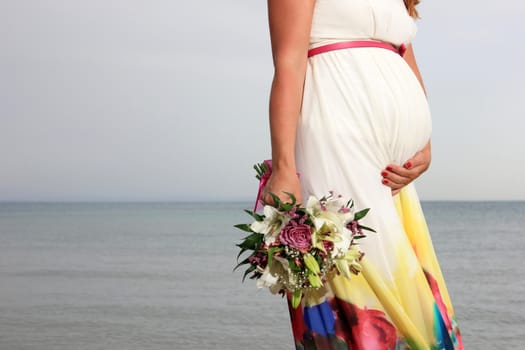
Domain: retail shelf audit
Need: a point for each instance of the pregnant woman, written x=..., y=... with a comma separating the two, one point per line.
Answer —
x=348, y=112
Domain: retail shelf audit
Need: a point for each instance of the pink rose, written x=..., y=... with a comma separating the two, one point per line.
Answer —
x=296, y=236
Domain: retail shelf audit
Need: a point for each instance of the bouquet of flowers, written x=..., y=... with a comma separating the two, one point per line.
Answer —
x=293, y=248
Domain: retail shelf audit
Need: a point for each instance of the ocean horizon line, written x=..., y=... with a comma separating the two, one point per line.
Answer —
x=217, y=201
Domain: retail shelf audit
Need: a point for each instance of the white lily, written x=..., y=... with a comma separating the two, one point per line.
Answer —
x=267, y=279
x=330, y=212
x=342, y=244
x=330, y=222
x=271, y=226
x=349, y=263
x=284, y=262
x=332, y=205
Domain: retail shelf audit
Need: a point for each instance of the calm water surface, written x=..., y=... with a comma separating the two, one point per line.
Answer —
x=159, y=276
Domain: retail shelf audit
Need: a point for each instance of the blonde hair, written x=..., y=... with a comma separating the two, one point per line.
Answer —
x=411, y=7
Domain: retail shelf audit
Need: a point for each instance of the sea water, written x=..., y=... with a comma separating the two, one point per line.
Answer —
x=159, y=276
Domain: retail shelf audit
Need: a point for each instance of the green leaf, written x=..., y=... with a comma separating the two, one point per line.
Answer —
x=286, y=206
x=359, y=237
x=258, y=171
x=276, y=200
x=247, y=249
x=293, y=266
x=245, y=261
x=292, y=197
x=366, y=228
x=361, y=214
x=296, y=298
x=252, y=241
x=271, y=253
x=244, y=227
x=264, y=167
x=254, y=215
x=240, y=253
x=248, y=270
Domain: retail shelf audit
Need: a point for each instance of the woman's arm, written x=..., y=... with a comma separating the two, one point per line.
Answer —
x=395, y=176
x=290, y=23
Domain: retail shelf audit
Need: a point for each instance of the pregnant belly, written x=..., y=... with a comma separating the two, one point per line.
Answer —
x=406, y=117
x=370, y=100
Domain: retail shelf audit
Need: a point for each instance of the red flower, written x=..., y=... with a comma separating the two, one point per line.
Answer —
x=359, y=329
x=370, y=329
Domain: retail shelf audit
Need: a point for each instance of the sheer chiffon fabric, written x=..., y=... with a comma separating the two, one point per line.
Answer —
x=363, y=108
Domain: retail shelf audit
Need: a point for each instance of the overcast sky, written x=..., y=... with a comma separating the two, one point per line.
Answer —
x=167, y=100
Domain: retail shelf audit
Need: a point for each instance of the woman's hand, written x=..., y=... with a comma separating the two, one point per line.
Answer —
x=279, y=183
x=396, y=177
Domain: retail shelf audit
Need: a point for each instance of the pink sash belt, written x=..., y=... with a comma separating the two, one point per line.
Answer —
x=356, y=43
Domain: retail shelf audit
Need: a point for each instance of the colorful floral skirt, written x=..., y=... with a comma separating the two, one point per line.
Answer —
x=363, y=109
x=409, y=310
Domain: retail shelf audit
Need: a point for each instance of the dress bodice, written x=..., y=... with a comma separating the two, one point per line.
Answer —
x=384, y=20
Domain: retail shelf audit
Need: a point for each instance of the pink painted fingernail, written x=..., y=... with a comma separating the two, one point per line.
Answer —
x=389, y=168
x=385, y=181
x=384, y=173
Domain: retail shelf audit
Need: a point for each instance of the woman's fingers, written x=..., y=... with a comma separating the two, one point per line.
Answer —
x=396, y=177
x=420, y=160
x=394, y=180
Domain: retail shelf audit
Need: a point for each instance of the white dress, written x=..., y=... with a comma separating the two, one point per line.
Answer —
x=363, y=108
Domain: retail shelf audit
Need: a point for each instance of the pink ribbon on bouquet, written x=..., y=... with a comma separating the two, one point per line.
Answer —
x=262, y=183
